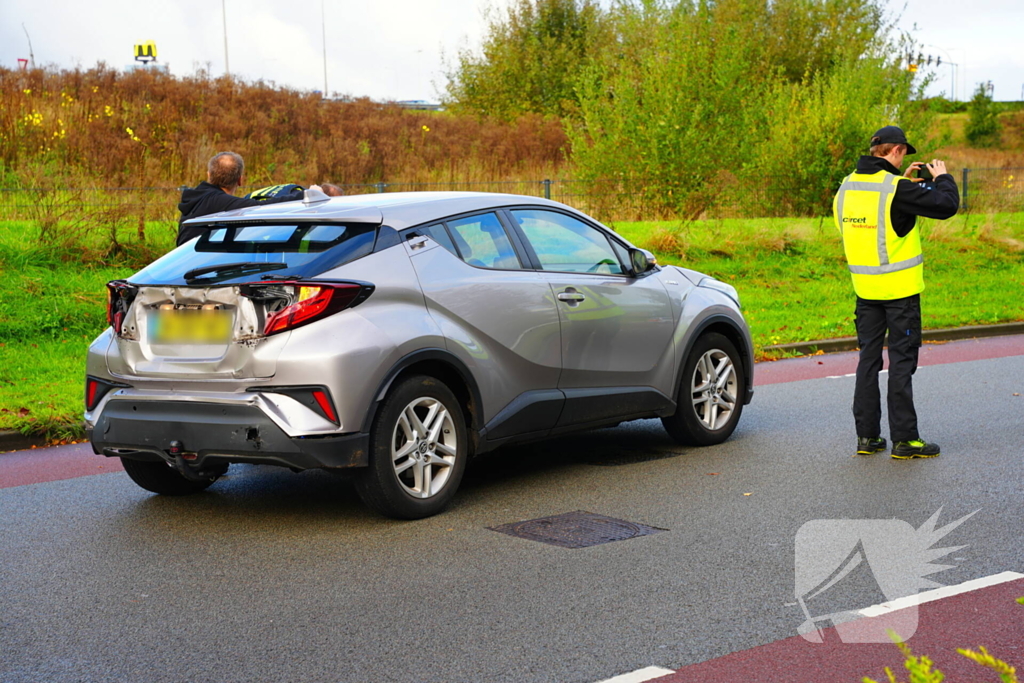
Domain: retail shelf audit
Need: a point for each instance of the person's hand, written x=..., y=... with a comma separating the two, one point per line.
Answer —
x=911, y=169
x=937, y=168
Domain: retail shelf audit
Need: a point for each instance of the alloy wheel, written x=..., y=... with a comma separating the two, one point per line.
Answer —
x=424, y=447
x=714, y=390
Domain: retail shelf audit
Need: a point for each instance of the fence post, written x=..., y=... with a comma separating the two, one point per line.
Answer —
x=963, y=203
x=380, y=187
x=547, y=188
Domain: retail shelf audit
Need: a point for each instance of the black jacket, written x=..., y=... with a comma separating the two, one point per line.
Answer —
x=938, y=198
x=205, y=199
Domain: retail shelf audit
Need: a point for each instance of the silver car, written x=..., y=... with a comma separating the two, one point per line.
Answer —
x=397, y=336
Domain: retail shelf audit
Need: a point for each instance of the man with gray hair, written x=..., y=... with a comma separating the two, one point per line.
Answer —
x=223, y=176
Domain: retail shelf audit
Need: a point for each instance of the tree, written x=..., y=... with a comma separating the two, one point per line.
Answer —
x=530, y=59
x=983, y=127
x=706, y=103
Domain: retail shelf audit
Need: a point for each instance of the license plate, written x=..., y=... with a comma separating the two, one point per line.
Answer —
x=190, y=327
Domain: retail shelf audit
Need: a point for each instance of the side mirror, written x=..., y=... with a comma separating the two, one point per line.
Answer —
x=641, y=260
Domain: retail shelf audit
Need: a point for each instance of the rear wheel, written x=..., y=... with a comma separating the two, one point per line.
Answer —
x=418, y=451
x=710, y=395
x=159, y=477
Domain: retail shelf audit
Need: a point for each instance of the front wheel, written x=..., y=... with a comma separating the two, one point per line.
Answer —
x=418, y=451
x=710, y=395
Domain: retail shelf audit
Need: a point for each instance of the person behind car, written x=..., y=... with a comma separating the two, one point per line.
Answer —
x=223, y=177
x=876, y=211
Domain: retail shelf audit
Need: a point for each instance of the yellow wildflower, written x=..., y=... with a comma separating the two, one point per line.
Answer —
x=426, y=128
x=107, y=110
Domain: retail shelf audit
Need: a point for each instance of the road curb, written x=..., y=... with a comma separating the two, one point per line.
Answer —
x=16, y=441
x=949, y=334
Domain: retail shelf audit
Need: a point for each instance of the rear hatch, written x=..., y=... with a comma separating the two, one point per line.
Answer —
x=221, y=306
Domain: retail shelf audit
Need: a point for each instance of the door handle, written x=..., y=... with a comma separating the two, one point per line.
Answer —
x=417, y=241
x=571, y=295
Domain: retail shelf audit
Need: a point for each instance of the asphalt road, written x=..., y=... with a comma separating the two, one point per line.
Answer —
x=273, y=576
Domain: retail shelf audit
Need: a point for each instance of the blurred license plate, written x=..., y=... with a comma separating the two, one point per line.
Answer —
x=190, y=327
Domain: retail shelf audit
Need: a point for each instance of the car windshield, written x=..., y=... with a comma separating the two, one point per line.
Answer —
x=247, y=251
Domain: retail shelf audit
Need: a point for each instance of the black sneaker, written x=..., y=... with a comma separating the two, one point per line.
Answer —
x=908, y=450
x=869, y=445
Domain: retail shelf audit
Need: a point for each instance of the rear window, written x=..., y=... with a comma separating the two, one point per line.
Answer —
x=304, y=250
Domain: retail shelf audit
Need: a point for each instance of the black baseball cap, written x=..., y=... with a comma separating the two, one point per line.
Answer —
x=894, y=135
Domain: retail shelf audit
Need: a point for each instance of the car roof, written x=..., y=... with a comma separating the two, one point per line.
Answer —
x=396, y=209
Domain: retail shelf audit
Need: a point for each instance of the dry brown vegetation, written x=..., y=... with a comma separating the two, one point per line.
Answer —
x=101, y=127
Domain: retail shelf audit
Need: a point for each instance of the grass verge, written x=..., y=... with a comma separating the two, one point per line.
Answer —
x=790, y=273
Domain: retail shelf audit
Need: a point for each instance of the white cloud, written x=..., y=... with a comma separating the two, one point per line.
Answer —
x=982, y=37
x=384, y=50
x=391, y=49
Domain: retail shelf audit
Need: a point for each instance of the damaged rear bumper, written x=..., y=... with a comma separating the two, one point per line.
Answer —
x=217, y=433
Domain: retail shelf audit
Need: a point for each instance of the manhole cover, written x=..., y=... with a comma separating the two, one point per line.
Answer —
x=576, y=529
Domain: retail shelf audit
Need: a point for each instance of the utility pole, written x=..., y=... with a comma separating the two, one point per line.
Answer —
x=953, y=66
x=224, y=17
x=31, y=56
x=323, y=31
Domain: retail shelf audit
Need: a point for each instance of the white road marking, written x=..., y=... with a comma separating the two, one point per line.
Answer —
x=853, y=374
x=640, y=675
x=939, y=593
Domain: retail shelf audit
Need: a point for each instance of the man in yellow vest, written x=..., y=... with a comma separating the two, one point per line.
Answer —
x=876, y=210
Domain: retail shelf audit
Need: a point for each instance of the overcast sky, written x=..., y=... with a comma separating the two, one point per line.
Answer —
x=392, y=49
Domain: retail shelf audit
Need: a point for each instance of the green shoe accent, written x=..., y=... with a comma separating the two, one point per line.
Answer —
x=869, y=445
x=908, y=450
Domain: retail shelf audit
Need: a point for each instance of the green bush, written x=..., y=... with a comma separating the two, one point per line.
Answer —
x=983, y=127
x=529, y=60
x=713, y=105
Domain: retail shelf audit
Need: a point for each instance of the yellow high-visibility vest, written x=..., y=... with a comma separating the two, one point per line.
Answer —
x=883, y=265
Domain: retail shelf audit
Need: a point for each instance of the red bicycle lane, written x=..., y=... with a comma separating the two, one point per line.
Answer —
x=988, y=617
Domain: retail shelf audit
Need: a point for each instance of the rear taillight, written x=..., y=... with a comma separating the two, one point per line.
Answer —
x=316, y=300
x=316, y=398
x=96, y=389
x=119, y=297
x=91, y=390
x=324, y=401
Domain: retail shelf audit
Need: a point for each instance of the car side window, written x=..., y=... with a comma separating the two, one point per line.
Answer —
x=440, y=235
x=482, y=242
x=563, y=243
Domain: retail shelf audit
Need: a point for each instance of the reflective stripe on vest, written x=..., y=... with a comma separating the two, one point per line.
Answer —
x=274, y=191
x=900, y=270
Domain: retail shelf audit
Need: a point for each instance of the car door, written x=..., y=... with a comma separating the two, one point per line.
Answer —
x=499, y=318
x=617, y=329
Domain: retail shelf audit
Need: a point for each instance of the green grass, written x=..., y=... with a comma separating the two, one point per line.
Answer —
x=790, y=274
x=794, y=285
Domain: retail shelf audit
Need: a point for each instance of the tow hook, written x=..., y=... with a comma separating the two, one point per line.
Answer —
x=185, y=469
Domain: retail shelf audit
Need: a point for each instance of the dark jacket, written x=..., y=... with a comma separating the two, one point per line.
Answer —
x=938, y=198
x=205, y=199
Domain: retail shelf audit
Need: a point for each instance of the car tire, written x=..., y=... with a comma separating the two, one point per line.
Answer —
x=711, y=393
x=418, y=450
x=159, y=477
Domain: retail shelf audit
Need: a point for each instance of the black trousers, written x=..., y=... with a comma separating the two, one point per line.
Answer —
x=902, y=319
